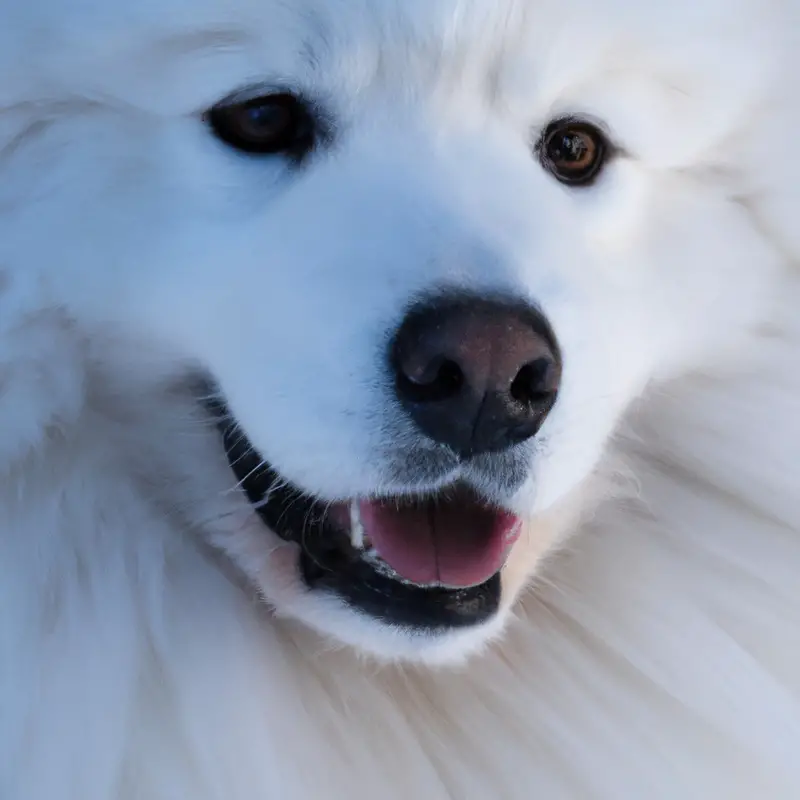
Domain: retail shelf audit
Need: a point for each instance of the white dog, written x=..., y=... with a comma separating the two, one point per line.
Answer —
x=327, y=328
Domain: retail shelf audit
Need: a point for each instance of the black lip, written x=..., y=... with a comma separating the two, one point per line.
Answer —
x=395, y=603
x=328, y=562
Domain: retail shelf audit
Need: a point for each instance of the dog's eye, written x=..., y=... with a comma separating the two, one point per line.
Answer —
x=574, y=152
x=268, y=125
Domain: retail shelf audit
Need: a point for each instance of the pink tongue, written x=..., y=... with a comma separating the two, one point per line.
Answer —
x=455, y=542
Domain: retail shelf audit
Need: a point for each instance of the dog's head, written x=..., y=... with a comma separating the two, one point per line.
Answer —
x=427, y=252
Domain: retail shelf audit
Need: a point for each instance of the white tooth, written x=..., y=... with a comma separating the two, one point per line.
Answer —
x=356, y=528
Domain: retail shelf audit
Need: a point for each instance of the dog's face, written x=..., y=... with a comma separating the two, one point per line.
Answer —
x=426, y=251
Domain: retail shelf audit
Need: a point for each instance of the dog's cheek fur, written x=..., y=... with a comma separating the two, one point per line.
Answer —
x=772, y=192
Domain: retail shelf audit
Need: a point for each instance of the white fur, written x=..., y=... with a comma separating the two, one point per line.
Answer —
x=656, y=653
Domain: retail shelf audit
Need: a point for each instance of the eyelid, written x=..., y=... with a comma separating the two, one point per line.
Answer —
x=254, y=92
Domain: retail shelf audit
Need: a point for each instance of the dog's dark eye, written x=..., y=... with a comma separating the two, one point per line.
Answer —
x=268, y=125
x=574, y=152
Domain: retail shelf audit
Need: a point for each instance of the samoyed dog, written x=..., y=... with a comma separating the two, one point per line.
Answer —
x=400, y=399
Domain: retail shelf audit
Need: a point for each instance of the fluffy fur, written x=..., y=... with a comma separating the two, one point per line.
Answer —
x=155, y=643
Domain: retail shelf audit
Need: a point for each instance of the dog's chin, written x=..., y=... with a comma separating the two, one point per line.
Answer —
x=422, y=577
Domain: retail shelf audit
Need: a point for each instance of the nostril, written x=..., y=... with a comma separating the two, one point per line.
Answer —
x=441, y=379
x=536, y=383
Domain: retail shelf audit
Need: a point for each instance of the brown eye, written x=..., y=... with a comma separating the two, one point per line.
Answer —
x=268, y=125
x=574, y=152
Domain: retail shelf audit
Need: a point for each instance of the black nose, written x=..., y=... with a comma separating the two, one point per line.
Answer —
x=475, y=374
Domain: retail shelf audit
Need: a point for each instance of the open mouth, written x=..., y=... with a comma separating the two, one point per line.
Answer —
x=423, y=561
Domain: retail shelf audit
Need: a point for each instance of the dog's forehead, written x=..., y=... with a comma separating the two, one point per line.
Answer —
x=344, y=47
x=295, y=35
x=330, y=29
